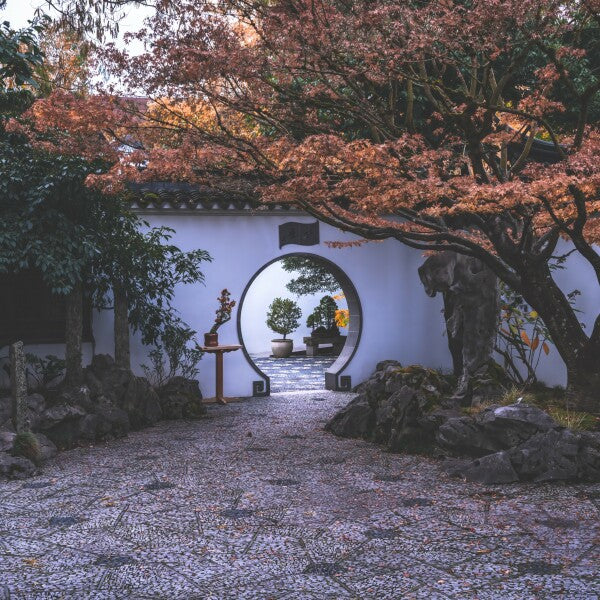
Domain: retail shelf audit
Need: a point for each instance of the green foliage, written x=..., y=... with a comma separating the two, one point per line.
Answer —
x=19, y=54
x=312, y=278
x=175, y=353
x=323, y=317
x=283, y=316
x=27, y=446
x=522, y=337
x=573, y=419
x=147, y=267
x=44, y=371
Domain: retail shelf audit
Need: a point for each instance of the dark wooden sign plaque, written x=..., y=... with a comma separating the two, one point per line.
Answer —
x=302, y=234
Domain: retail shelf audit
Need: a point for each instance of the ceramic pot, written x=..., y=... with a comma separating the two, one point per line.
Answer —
x=282, y=348
x=211, y=339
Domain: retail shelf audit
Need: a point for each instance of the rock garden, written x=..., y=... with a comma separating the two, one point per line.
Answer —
x=109, y=403
x=500, y=437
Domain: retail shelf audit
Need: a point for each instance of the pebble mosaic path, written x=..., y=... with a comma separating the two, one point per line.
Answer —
x=296, y=372
x=258, y=502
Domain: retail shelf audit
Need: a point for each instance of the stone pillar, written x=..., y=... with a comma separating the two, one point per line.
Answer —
x=18, y=380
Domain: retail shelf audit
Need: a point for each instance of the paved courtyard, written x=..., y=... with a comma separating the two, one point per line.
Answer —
x=258, y=502
x=296, y=372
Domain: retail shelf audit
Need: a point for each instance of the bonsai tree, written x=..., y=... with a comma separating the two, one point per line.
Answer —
x=323, y=320
x=283, y=316
x=223, y=313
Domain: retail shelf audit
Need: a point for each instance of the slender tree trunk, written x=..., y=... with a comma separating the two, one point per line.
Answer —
x=73, y=335
x=121, y=328
x=582, y=362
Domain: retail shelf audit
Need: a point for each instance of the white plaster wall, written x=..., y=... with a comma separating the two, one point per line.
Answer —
x=399, y=320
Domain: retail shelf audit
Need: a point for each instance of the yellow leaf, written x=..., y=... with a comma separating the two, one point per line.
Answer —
x=533, y=314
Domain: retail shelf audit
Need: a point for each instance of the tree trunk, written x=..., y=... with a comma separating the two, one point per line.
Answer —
x=583, y=364
x=73, y=335
x=121, y=328
x=583, y=386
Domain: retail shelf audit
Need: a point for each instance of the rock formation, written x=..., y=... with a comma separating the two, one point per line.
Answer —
x=471, y=309
x=400, y=408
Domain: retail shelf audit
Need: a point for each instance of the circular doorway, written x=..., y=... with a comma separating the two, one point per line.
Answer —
x=332, y=377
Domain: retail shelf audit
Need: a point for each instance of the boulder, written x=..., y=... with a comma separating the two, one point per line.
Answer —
x=394, y=407
x=141, y=403
x=36, y=403
x=7, y=441
x=558, y=455
x=495, y=428
x=493, y=468
x=553, y=455
x=62, y=423
x=397, y=420
x=104, y=377
x=16, y=467
x=124, y=390
x=355, y=420
x=180, y=398
x=48, y=449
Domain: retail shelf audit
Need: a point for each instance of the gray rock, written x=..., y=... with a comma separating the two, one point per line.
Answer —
x=590, y=455
x=397, y=421
x=141, y=403
x=114, y=421
x=549, y=456
x=180, y=398
x=355, y=420
x=384, y=364
x=36, y=403
x=48, y=449
x=493, y=468
x=554, y=455
x=16, y=467
x=7, y=441
x=121, y=388
x=61, y=423
x=494, y=429
x=60, y=413
x=471, y=309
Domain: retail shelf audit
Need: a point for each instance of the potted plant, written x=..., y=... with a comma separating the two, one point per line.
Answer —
x=223, y=315
x=323, y=319
x=282, y=318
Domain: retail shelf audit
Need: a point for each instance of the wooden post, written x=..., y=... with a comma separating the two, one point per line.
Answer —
x=219, y=376
x=18, y=381
x=121, y=328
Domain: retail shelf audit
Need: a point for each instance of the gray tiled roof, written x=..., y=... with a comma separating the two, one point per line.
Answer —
x=181, y=196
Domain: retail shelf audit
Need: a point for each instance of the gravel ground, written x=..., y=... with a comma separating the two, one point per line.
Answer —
x=258, y=502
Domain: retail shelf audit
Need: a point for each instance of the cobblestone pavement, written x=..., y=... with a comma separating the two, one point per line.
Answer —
x=296, y=372
x=258, y=502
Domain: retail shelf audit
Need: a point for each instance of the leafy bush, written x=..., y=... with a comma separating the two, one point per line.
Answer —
x=283, y=316
x=522, y=337
x=44, y=371
x=176, y=353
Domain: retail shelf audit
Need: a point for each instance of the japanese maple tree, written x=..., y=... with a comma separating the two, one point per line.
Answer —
x=422, y=121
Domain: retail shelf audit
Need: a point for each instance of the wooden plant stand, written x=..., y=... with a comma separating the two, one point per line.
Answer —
x=218, y=351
